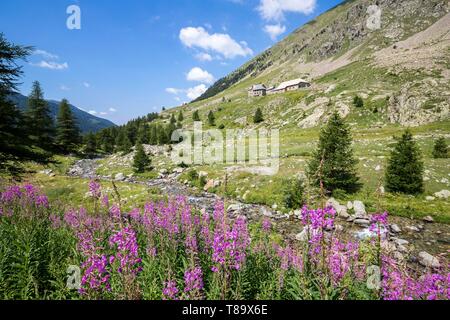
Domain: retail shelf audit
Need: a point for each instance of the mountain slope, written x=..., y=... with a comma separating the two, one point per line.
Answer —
x=401, y=70
x=86, y=121
x=335, y=33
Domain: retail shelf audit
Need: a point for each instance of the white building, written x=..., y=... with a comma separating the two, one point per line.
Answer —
x=257, y=90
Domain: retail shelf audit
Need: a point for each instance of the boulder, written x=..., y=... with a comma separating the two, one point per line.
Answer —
x=428, y=219
x=443, y=194
x=395, y=228
x=429, y=198
x=208, y=185
x=340, y=209
x=428, y=260
x=360, y=208
x=361, y=222
x=119, y=177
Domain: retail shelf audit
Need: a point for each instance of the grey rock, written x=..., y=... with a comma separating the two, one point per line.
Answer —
x=428, y=219
x=119, y=177
x=395, y=228
x=428, y=260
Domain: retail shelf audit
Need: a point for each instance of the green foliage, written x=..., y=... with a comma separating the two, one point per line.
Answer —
x=211, y=119
x=293, y=194
x=39, y=120
x=358, y=102
x=404, y=172
x=258, y=116
x=196, y=116
x=141, y=161
x=34, y=257
x=67, y=132
x=90, y=145
x=333, y=162
x=440, y=149
x=15, y=143
x=123, y=143
x=180, y=116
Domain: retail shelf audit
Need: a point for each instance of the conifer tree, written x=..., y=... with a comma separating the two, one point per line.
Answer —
x=67, y=132
x=211, y=119
x=196, y=116
x=440, y=149
x=141, y=161
x=172, y=119
x=123, y=143
x=333, y=162
x=40, y=121
x=15, y=144
x=90, y=144
x=180, y=116
x=258, y=117
x=404, y=172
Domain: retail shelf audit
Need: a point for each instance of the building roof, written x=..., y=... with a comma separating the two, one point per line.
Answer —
x=290, y=83
x=258, y=87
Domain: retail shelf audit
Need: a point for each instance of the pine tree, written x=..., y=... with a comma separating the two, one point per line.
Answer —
x=107, y=141
x=358, y=102
x=141, y=161
x=211, y=119
x=142, y=134
x=196, y=116
x=333, y=162
x=153, y=135
x=15, y=145
x=440, y=149
x=90, y=144
x=172, y=119
x=404, y=172
x=123, y=143
x=258, y=117
x=40, y=121
x=67, y=132
x=180, y=116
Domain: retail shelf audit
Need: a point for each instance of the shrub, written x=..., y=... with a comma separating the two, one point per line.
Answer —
x=293, y=197
x=358, y=102
x=404, y=172
x=440, y=149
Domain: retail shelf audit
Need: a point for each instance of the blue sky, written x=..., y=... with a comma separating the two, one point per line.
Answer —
x=133, y=57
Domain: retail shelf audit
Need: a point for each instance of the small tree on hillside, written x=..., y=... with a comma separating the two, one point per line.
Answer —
x=180, y=116
x=440, y=149
x=211, y=119
x=358, y=102
x=404, y=172
x=196, y=116
x=67, y=132
x=258, y=117
x=172, y=119
x=141, y=162
x=333, y=162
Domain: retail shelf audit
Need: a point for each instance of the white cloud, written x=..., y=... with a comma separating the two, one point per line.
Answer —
x=195, y=92
x=274, y=9
x=87, y=85
x=45, y=54
x=103, y=113
x=174, y=91
x=274, y=30
x=112, y=110
x=191, y=93
x=203, y=56
x=93, y=112
x=51, y=65
x=64, y=88
x=218, y=42
x=199, y=75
